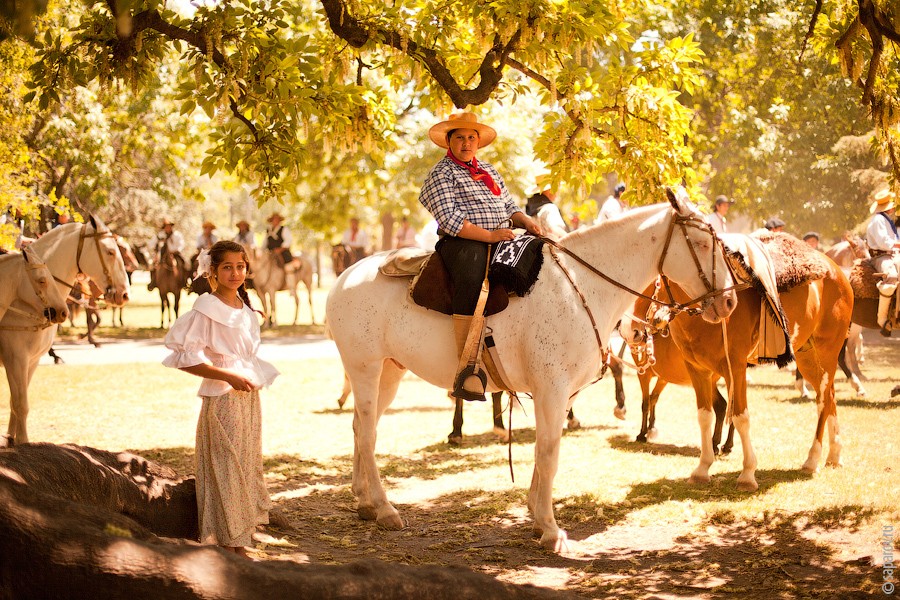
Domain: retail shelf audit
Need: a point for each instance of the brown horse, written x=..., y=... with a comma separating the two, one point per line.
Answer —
x=171, y=277
x=818, y=313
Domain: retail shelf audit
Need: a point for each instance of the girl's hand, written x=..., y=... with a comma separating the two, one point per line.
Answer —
x=240, y=383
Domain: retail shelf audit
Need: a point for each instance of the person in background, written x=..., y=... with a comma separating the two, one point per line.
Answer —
x=542, y=208
x=245, y=237
x=812, y=238
x=406, y=235
x=614, y=205
x=173, y=242
x=218, y=340
x=206, y=239
x=717, y=219
x=775, y=225
x=884, y=246
x=278, y=242
x=357, y=240
x=474, y=211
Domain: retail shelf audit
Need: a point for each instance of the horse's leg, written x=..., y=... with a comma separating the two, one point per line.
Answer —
x=455, y=436
x=737, y=389
x=550, y=413
x=312, y=315
x=163, y=305
x=345, y=393
x=19, y=370
x=374, y=387
x=644, y=378
x=800, y=385
x=572, y=421
x=652, y=432
x=813, y=363
x=848, y=372
x=177, y=294
x=703, y=382
x=497, y=406
x=720, y=406
x=616, y=367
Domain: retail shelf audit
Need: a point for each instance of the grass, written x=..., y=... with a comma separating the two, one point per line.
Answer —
x=459, y=500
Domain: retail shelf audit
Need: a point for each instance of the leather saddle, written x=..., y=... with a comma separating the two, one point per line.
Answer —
x=431, y=287
x=865, y=294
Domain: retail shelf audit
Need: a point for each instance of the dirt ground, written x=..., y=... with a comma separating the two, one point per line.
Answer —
x=608, y=556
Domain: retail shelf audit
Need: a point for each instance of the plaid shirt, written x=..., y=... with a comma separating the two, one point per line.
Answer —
x=452, y=196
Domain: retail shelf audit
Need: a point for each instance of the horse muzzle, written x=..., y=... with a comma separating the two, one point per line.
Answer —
x=55, y=315
x=719, y=307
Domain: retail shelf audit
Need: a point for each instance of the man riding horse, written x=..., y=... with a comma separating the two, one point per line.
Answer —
x=168, y=243
x=884, y=244
x=278, y=242
x=474, y=211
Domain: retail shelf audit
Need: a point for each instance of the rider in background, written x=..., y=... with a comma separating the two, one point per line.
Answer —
x=717, y=218
x=614, y=205
x=357, y=240
x=170, y=240
x=245, y=237
x=278, y=241
x=474, y=211
x=884, y=243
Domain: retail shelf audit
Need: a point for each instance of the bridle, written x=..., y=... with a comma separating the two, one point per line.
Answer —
x=43, y=320
x=96, y=236
x=683, y=222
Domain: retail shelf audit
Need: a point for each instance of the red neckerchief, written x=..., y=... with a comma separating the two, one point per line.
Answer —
x=478, y=174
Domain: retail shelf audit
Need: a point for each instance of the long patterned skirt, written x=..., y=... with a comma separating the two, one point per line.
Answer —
x=231, y=494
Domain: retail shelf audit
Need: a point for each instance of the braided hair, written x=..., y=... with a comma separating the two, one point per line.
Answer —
x=217, y=255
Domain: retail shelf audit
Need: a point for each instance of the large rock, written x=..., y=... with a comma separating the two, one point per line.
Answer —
x=83, y=523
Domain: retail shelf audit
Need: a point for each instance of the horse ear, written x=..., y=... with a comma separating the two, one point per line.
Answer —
x=25, y=254
x=93, y=222
x=670, y=194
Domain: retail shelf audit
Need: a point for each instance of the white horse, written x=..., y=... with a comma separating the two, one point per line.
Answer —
x=546, y=340
x=269, y=278
x=29, y=291
x=70, y=249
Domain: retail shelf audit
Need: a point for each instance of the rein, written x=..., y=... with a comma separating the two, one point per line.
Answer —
x=43, y=322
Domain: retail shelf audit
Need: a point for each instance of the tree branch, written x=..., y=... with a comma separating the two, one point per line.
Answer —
x=811, y=30
x=350, y=29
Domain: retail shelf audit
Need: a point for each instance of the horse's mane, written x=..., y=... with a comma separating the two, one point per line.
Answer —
x=573, y=238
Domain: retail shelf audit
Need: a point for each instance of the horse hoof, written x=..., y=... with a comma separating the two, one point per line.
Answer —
x=392, y=521
x=502, y=434
x=342, y=401
x=573, y=424
x=642, y=438
x=809, y=467
x=747, y=485
x=652, y=434
x=366, y=513
x=699, y=479
x=454, y=440
x=834, y=464
x=558, y=543
x=619, y=413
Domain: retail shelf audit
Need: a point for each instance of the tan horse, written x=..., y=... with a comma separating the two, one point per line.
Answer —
x=845, y=254
x=269, y=278
x=818, y=314
x=88, y=248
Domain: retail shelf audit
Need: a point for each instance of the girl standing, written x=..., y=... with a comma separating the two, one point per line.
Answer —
x=218, y=341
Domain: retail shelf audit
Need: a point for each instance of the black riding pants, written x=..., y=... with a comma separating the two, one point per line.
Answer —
x=466, y=260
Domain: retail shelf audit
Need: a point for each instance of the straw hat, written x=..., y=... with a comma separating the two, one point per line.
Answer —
x=244, y=223
x=208, y=225
x=166, y=221
x=884, y=199
x=275, y=215
x=438, y=133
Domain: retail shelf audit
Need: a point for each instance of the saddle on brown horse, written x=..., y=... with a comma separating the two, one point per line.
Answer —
x=863, y=280
x=430, y=286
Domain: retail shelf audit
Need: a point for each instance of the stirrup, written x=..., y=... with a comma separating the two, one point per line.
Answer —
x=460, y=392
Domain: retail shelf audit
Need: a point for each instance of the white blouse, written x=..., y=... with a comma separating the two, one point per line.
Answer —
x=213, y=332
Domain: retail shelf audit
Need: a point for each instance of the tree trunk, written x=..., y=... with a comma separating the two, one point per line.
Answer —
x=63, y=534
